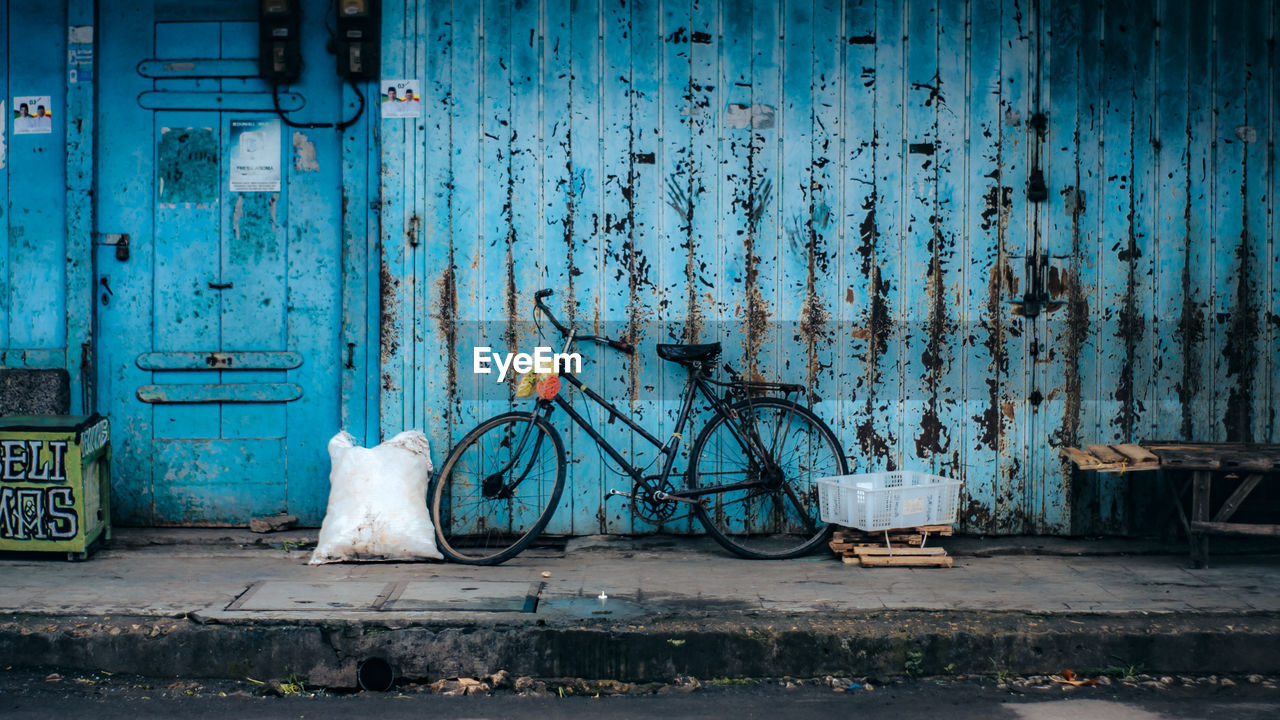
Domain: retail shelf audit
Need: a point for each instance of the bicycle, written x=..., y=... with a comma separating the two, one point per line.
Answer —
x=751, y=479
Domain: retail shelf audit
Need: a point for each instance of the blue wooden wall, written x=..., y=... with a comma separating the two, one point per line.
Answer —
x=45, y=273
x=835, y=189
x=838, y=191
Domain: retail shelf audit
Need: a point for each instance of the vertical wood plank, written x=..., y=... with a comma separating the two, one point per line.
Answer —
x=6, y=299
x=676, y=167
x=561, y=192
x=618, y=264
x=923, y=278
x=860, y=272
x=36, y=285
x=81, y=114
x=879, y=433
x=1172, y=241
x=1256, y=418
x=947, y=255
x=125, y=204
x=465, y=205
x=1141, y=329
x=1120, y=262
x=647, y=235
x=1059, y=373
x=703, y=282
x=1231, y=267
x=1196, y=338
x=823, y=313
x=1273, y=253
x=395, y=274
x=1085, y=308
x=588, y=473
x=445, y=340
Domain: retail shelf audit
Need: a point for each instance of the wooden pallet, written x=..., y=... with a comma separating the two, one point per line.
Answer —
x=904, y=547
x=1111, y=458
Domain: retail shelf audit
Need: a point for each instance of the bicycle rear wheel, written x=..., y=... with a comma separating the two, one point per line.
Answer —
x=780, y=518
x=498, y=489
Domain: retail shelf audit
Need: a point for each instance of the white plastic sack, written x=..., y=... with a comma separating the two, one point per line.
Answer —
x=378, y=501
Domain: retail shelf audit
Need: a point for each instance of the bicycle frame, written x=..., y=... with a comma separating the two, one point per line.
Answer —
x=696, y=384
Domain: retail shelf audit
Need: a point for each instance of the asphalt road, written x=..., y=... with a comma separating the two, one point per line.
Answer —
x=25, y=694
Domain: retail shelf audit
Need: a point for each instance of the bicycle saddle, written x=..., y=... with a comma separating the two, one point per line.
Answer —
x=685, y=354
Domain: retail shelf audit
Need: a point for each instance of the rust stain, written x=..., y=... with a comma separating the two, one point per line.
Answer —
x=637, y=265
x=1077, y=333
x=1007, y=409
x=1238, y=350
x=934, y=437
x=1191, y=323
x=813, y=315
x=449, y=327
x=999, y=203
x=571, y=205
x=879, y=326
x=1130, y=327
x=511, y=334
x=388, y=326
x=682, y=198
x=755, y=310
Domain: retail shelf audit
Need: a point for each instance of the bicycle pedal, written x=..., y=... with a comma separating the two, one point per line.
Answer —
x=618, y=493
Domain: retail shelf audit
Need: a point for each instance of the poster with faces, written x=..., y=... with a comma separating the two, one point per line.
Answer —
x=401, y=99
x=32, y=115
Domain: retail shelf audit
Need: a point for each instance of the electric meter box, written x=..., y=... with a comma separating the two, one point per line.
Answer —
x=55, y=483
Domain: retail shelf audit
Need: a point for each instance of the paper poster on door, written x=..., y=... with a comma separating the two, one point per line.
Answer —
x=32, y=115
x=400, y=99
x=255, y=156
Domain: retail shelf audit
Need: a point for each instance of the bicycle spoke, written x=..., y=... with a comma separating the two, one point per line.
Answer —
x=488, y=528
x=778, y=519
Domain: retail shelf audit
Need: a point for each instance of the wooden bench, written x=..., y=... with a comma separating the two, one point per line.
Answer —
x=1199, y=463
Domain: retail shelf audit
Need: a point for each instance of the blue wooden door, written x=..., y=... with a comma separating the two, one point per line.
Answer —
x=218, y=302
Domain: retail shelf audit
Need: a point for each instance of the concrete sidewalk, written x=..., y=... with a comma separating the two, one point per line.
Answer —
x=228, y=603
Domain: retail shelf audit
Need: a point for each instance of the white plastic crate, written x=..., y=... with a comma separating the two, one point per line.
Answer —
x=880, y=501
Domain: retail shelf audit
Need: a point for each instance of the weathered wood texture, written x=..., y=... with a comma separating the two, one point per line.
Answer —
x=838, y=191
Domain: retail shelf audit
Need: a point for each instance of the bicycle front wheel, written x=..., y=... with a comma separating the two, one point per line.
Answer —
x=498, y=489
x=777, y=517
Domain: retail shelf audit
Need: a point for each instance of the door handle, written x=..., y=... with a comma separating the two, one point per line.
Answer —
x=221, y=286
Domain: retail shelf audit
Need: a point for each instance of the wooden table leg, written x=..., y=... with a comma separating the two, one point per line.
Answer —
x=1176, y=492
x=1202, y=482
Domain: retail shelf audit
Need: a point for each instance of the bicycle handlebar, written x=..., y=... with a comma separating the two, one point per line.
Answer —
x=619, y=345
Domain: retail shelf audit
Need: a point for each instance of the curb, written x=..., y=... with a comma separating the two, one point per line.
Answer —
x=871, y=644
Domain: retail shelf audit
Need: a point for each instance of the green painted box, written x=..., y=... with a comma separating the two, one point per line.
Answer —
x=55, y=483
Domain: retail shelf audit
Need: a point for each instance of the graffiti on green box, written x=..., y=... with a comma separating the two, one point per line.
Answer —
x=28, y=461
x=36, y=513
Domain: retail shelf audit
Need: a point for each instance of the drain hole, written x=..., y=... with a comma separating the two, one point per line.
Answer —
x=374, y=674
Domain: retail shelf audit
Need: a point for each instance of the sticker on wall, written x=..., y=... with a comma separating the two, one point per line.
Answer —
x=400, y=99
x=32, y=115
x=80, y=54
x=255, y=156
